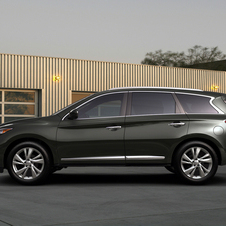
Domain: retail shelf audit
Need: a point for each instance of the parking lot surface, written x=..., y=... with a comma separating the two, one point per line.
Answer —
x=113, y=196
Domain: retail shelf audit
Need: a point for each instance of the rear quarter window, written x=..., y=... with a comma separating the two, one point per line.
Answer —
x=196, y=104
x=220, y=103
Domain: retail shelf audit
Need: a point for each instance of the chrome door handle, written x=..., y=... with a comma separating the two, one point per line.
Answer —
x=176, y=124
x=113, y=128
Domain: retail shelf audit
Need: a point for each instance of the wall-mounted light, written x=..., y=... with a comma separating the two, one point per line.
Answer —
x=56, y=78
x=214, y=87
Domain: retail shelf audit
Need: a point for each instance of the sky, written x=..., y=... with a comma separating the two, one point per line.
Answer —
x=110, y=30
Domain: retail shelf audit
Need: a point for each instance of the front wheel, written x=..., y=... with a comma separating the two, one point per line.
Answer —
x=28, y=163
x=196, y=162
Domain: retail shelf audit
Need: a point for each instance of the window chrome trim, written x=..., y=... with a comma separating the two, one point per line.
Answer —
x=123, y=92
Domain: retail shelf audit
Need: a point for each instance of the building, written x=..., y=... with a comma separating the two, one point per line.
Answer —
x=39, y=86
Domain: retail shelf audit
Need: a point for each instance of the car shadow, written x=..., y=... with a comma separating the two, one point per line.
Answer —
x=123, y=179
x=114, y=179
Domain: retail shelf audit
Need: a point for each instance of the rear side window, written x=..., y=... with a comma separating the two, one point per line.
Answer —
x=196, y=104
x=152, y=103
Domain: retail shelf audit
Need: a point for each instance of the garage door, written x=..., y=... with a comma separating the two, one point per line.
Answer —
x=17, y=104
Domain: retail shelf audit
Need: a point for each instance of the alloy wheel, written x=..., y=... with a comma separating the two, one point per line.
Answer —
x=196, y=162
x=28, y=163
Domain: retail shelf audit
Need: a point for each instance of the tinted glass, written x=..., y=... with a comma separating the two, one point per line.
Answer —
x=19, y=109
x=196, y=104
x=105, y=106
x=19, y=96
x=152, y=103
x=0, y=95
x=0, y=109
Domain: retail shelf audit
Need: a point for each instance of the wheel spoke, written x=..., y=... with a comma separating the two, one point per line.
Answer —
x=209, y=160
x=25, y=173
x=201, y=172
x=25, y=153
x=36, y=169
x=17, y=163
x=18, y=159
x=21, y=171
x=189, y=170
x=197, y=151
x=33, y=172
x=37, y=159
x=186, y=162
x=185, y=157
x=30, y=151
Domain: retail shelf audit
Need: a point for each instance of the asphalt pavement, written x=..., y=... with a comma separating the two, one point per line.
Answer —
x=87, y=196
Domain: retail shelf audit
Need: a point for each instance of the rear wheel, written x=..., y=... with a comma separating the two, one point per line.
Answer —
x=28, y=163
x=196, y=162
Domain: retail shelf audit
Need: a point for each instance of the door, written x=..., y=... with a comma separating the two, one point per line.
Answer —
x=154, y=125
x=96, y=136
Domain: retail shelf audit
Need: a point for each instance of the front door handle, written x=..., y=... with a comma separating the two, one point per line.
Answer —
x=113, y=128
x=177, y=124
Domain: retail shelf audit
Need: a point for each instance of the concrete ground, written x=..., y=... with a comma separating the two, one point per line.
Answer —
x=113, y=196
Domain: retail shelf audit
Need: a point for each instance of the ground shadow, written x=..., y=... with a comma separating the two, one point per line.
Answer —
x=117, y=179
x=60, y=178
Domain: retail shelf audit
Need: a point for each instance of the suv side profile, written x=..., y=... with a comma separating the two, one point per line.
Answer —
x=180, y=129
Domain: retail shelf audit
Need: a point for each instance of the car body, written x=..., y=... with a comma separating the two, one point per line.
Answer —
x=181, y=129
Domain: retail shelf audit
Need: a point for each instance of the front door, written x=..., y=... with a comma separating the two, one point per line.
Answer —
x=97, y=135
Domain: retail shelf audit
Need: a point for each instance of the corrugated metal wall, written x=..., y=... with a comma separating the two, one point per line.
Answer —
x=36, y=73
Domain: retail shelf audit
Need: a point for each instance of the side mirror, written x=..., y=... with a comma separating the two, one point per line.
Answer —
x=73, y=115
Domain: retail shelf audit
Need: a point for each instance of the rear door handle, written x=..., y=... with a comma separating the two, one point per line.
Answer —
x=177, y=124
x=113, y=128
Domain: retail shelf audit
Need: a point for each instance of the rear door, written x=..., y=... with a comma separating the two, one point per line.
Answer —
x=155, y=124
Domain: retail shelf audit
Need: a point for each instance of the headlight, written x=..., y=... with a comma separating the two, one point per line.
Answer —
x=2, y=131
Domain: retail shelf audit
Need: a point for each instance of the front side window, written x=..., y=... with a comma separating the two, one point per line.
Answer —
x=152, y=103
x=196, y=104
x=105, y=106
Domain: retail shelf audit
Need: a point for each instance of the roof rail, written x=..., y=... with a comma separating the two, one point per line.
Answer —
x=154, y=87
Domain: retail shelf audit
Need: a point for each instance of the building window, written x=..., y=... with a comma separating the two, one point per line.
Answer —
x=79, y=95
x=17, y=105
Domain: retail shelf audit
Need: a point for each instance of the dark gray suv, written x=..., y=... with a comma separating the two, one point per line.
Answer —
x=180, y=129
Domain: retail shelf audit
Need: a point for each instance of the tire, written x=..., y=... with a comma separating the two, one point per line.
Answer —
x=28, y=163
x=170, y=169
x=196, y=162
